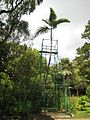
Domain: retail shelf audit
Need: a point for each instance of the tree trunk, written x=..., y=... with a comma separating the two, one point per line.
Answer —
x=77, y=92
x=50, y=48
x=49, y=56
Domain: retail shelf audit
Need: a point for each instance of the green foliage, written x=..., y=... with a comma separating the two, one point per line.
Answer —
x=76, y=78
x=86, y=33
x=21, y=88
x=52, y=15
x=81, y=73
x=65, y=68
x=24, y=71
x=5, y=83
x=74, y=103
x=20, y=85
x=83, y=62
x=82, y=103
x=52, y=22
x=11, y=12
x=6, y=98
x=88, y=91
x=36, y=97
x=15, y=96
x=80, y=111
x=4, y=51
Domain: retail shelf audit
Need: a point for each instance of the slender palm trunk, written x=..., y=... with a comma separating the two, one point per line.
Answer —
x=50, y=48
x=46, y=76
x=49, y=55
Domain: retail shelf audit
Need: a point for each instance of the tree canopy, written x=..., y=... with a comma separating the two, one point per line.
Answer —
x=86, y=33
x=11, y=12
x=52, y=22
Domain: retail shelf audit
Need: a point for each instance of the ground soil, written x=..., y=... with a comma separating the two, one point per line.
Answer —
x=47, y=117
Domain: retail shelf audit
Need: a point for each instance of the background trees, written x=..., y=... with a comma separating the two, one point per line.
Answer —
x=20, y=84
x=83, y=59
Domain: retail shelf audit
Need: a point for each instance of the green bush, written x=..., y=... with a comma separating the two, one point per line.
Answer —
x=6, y=99
x=82, y=103
x=13, y=99
x=36, y=97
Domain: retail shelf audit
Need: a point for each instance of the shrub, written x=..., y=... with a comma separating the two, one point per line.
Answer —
x=6, y=99
x=82, y=103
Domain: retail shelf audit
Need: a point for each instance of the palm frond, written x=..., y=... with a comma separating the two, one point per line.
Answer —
x=59, y=21
x=23, y=27
x=46, y=21
x=41, y=30
x=52, y=16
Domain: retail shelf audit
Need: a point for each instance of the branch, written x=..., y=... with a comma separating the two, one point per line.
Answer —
x=4, y=11
x=18, y=4
x=10, y=11
x=9, y=33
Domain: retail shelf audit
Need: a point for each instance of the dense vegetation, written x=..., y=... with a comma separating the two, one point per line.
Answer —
x=20, y=85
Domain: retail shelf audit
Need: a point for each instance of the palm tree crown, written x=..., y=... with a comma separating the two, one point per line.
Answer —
x=52, y=22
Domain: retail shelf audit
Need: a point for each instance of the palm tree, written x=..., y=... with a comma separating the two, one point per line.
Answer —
x=52, y=23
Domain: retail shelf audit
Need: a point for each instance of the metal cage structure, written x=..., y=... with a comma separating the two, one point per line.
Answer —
x=59, y=89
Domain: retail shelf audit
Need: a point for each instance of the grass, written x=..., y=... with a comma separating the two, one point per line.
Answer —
x=85, y=112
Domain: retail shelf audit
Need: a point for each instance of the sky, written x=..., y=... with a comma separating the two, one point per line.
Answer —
x=67, y=34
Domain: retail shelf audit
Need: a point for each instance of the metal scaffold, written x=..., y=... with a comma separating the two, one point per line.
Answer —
x=56, y=90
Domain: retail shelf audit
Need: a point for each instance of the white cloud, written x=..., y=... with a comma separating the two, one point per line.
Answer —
x=69, y=41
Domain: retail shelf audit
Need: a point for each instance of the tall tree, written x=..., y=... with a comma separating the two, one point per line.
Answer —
x=83, y=61
x=84, y=54
x=51, y=24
